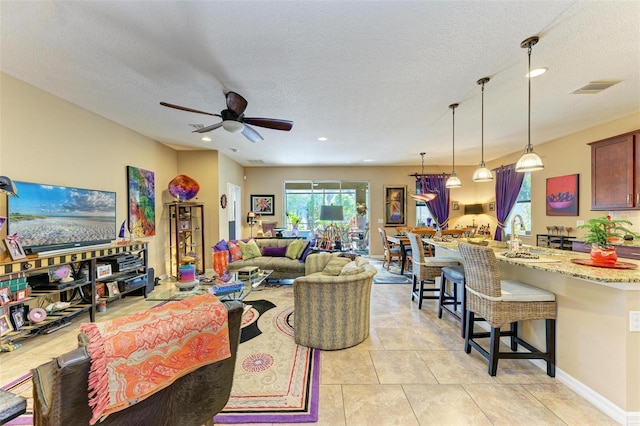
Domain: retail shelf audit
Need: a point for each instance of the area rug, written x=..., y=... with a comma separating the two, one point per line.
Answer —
x=392, y=276
x=275, y=381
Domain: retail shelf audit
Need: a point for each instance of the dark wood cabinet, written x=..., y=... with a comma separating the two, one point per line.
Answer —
x=615, y=173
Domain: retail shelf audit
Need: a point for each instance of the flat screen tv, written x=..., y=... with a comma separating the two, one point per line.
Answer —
x=49, y=217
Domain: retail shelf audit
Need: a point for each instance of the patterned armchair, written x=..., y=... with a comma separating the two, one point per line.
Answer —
x=332, y=311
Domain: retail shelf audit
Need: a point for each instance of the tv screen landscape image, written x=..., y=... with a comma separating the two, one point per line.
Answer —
x=49, y=217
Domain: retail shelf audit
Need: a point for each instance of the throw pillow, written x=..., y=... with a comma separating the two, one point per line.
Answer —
x=274, y=251
x=307, y=250
x=293, y=248
x=360, y=261
x=335, y=265
x=249, y=250
x=351, y=268
x=303, y=247
x=221, y=246
x=235, y=252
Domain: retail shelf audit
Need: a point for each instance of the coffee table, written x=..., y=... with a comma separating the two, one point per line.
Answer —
x=171, y=292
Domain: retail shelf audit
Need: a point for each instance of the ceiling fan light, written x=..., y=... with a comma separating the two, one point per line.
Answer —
x=482, y=174
x=529, y=162
x=453, y=181
x=232, y=126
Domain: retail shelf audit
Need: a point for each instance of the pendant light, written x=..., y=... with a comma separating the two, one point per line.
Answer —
x=530, y=161
x=453, y=181
x=482, y=174
x=426, y=194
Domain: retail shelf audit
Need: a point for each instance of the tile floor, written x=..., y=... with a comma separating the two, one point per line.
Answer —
x=412, y=370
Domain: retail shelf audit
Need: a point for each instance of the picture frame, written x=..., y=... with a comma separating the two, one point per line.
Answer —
x=492, y=206
x=5, y=295
x=141, y=214
x=395, y=205
x=17, y=318
x=15, y=249
x=5, y=325
x=263, y=204
x=21, y=294
x=113, y=289
x=185, y=225
x=562, y=195
x=455, y=205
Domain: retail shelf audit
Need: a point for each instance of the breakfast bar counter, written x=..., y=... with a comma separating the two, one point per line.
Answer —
x=597, y=354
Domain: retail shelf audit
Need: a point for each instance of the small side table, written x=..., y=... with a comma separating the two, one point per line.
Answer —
x=11, y=406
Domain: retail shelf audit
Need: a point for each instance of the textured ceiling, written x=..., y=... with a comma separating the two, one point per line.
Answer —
x=375, y=78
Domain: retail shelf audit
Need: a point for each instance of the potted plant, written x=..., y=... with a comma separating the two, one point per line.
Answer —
x=602, y=232
x=295, y=221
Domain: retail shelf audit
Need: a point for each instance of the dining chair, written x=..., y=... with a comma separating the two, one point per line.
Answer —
x=455, y=233
x=504, y=302
x=426, y=271
x=389, y=252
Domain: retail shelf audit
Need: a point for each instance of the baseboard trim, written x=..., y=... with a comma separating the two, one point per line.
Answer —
x=593, y=397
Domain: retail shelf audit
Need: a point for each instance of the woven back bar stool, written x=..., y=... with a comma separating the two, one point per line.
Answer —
x=450, y=300
x=426, y=270
x=504, y=302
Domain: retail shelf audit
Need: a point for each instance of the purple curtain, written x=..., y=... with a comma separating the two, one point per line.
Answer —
x=439, y=206
x=508, y=183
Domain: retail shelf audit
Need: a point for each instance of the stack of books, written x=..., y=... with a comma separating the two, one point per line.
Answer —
x=225, y=288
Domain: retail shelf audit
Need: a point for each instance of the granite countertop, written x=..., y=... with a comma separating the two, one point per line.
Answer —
x=559, y=261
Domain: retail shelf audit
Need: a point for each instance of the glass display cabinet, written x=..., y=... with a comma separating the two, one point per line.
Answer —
x=186, y=235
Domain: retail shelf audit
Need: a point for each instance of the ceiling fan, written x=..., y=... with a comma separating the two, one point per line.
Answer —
x=234, y=121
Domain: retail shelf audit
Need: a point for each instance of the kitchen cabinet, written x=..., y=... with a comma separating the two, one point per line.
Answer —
x=615, y=172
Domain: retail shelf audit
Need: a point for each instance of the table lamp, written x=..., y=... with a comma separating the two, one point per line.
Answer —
x=332, y=213
x=251, y=220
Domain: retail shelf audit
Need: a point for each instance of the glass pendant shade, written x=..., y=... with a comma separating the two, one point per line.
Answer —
x=426, y=194
x=453, y=181
x=530, y=161
x=482, y=174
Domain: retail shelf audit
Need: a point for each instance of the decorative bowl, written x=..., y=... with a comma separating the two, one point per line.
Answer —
x=560, y=204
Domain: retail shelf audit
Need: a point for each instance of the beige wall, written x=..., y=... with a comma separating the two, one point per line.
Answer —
x=48, y=140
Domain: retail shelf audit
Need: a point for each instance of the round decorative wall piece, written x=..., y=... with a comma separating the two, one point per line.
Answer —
x=223, y=201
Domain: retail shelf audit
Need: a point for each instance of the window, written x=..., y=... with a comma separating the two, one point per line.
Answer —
x=522, y=207
x=304, y=199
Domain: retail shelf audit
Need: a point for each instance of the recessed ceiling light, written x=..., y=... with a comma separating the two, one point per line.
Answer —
x=322, y=139
x=537, y=72
x=206, y=138
x=368, y=160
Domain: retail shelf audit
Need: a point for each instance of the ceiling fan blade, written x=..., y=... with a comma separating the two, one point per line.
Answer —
x=236, y=103
x=208, y=128
x=187, y=109
x=271, y=123
x=251, y=134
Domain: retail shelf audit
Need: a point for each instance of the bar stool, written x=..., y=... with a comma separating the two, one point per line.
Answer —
x=426, y=270
x=448, y=302
x=502, y=302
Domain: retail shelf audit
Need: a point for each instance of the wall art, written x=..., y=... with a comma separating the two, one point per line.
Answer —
x=562, y=195
x=395, y=205
x=142, y=202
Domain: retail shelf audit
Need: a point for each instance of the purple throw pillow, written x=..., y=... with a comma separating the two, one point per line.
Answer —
x=306, y=251
x=221, y=246
x=274, y=251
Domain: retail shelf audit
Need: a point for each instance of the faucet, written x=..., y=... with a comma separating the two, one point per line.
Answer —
x=514, y=240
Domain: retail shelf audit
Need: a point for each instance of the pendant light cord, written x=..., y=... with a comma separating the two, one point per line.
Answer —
x=529, y=147
x=482, y=128
x=453, y=156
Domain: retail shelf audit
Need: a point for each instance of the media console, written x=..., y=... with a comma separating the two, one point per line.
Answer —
x=24, y=314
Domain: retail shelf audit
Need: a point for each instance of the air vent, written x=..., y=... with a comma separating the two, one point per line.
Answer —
x=196, y=126
x=595, y=87
x=255, y=161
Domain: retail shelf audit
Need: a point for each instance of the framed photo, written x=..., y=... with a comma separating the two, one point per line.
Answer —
x=562, y=196
x=5, y=325
x=492, y=206
x=5, y=295
x=17, y=318
x=113, y=289
x=395, y=205
x=15, y=249
x=185, y=225
x=455, y=205
x=262, y=204
x=21, y=294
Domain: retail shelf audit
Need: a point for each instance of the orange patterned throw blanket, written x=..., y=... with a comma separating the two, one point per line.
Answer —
x=137, y=355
